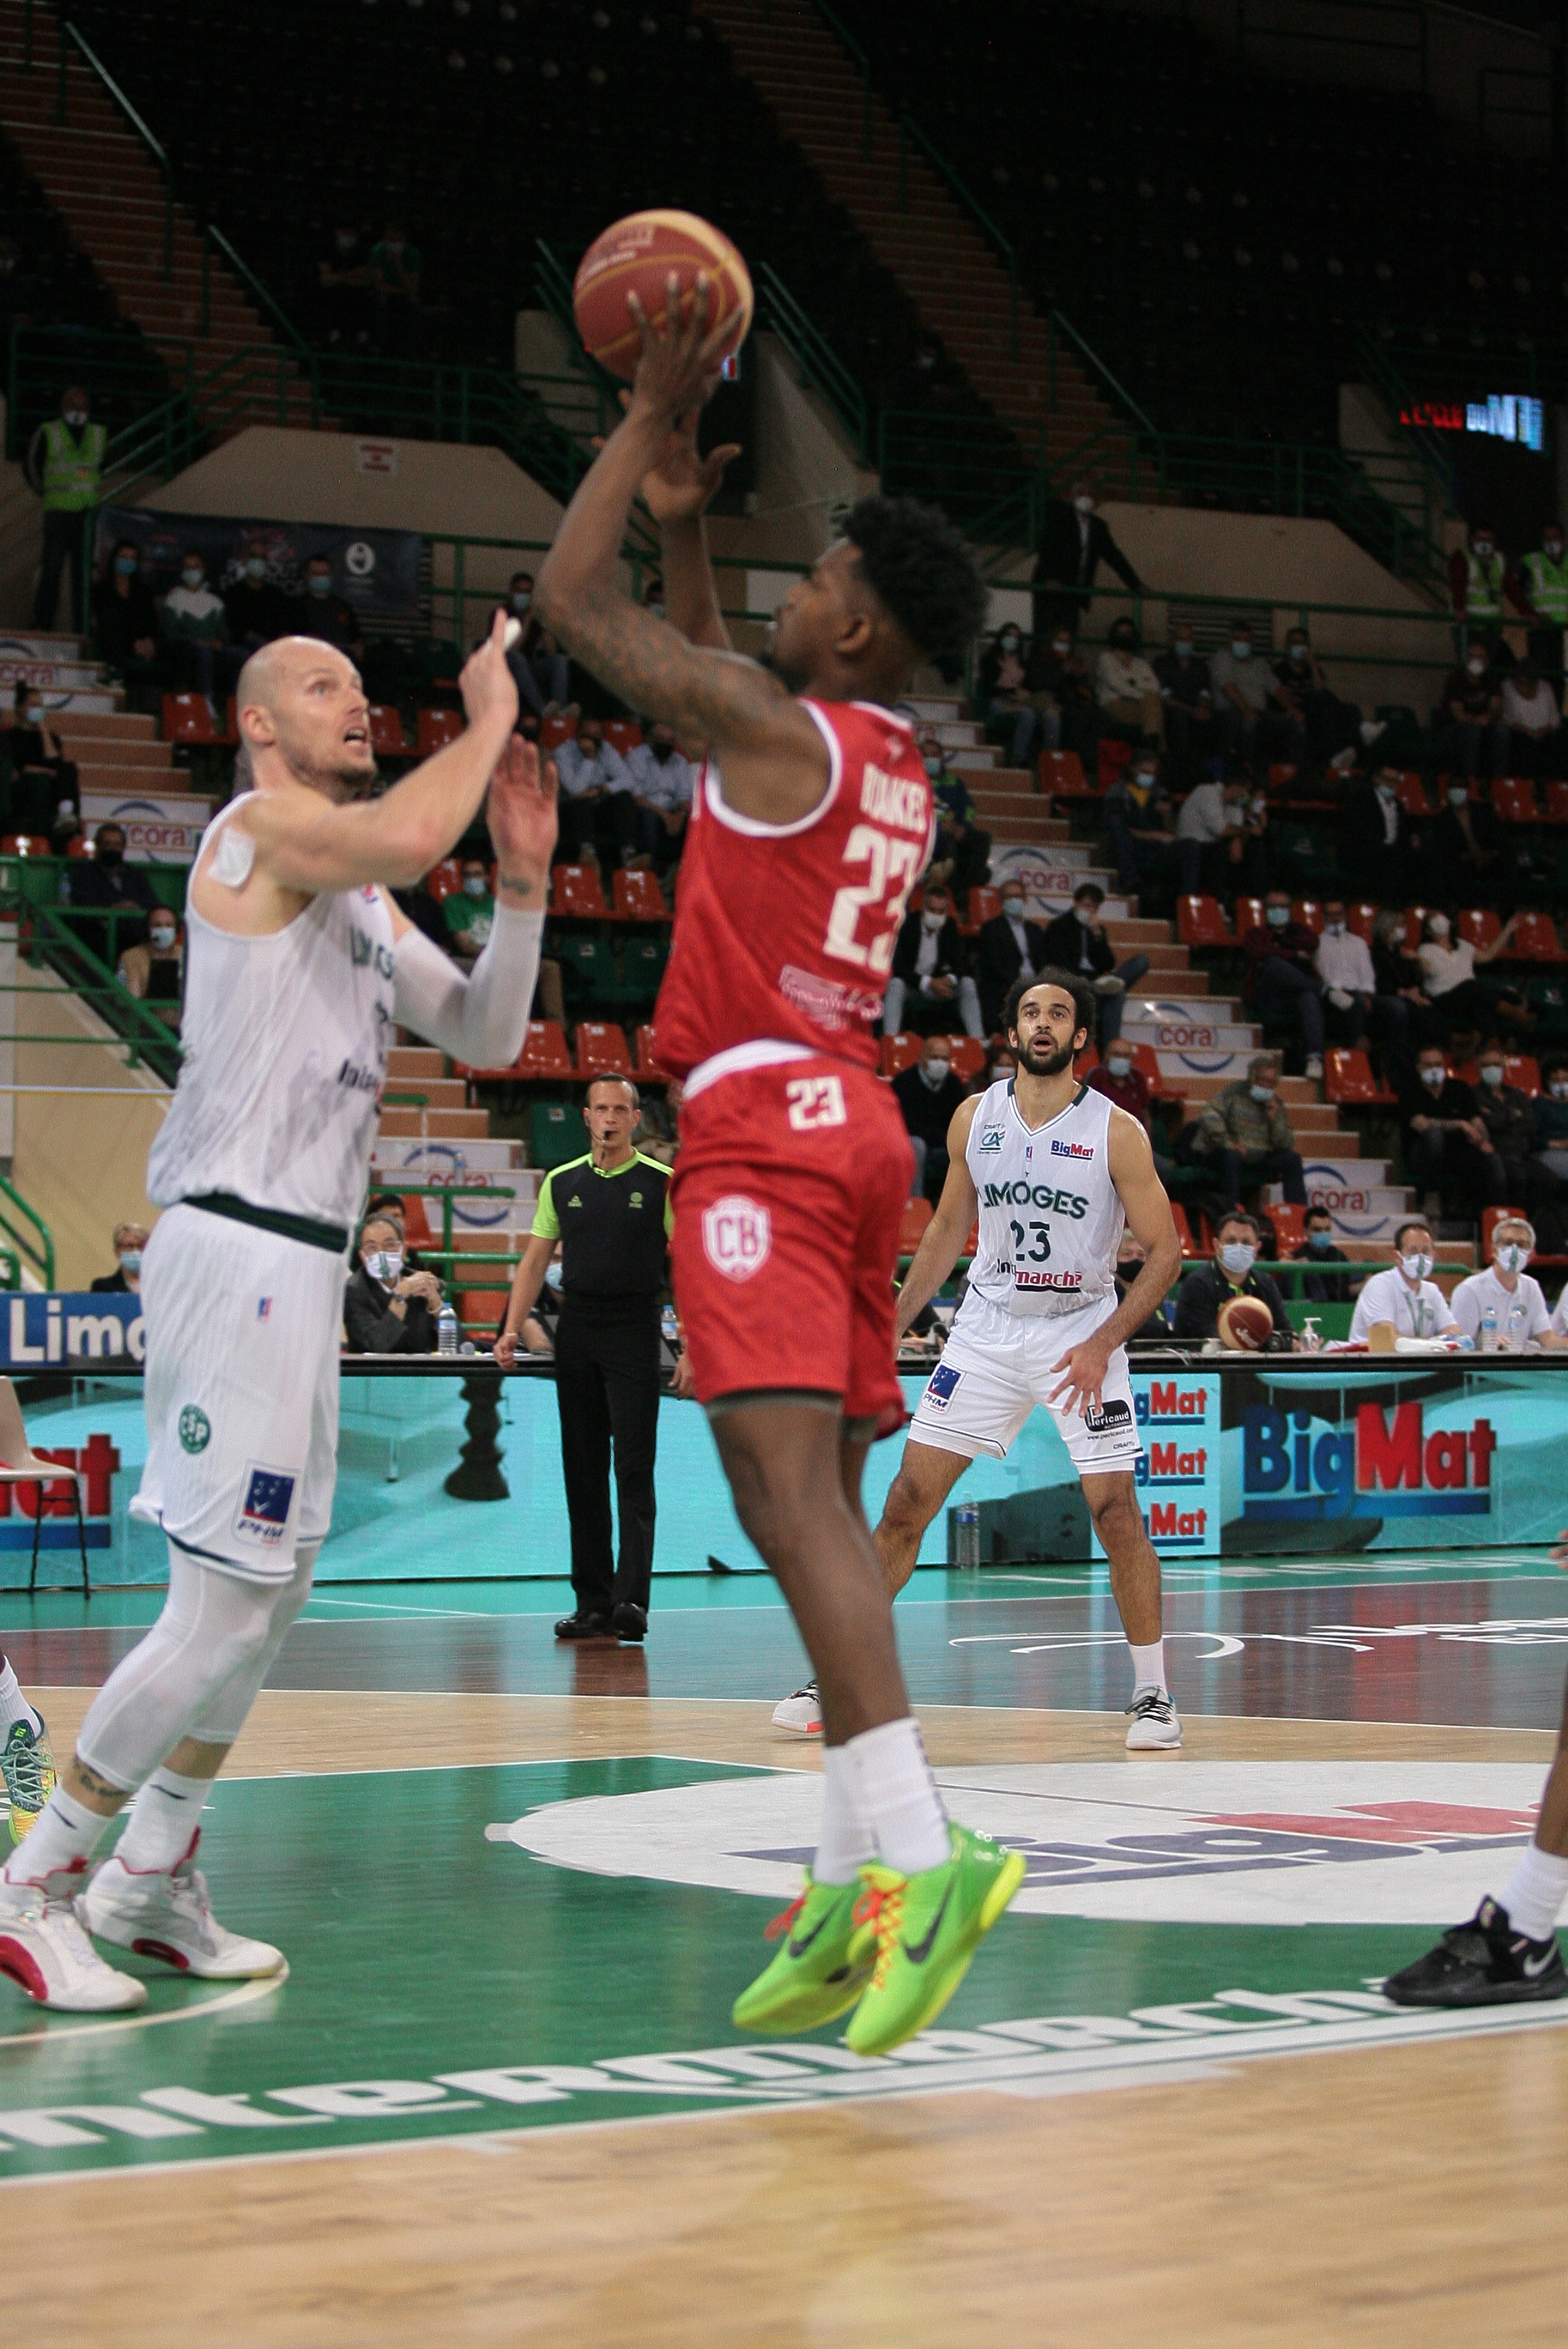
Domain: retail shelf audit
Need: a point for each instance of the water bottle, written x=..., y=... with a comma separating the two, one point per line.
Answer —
x=966, y=1536
x=1488, y=1328
x=446, y=1331
x=1518, y=1319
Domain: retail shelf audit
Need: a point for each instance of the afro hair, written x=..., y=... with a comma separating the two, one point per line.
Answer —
x=923, y=572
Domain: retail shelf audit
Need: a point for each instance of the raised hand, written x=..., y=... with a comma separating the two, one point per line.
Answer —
x=521, y=812
x=678, y=368
x=489, y=687
x=682, y=483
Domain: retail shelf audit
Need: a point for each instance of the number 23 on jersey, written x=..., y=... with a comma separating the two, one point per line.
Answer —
x=894, y=868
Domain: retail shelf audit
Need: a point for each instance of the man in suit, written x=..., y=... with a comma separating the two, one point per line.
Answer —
x=1375, y=845
x=929, y=981
x=929, y=1096
x=1077, y=941
x=1073, y=542
x=1009, y=946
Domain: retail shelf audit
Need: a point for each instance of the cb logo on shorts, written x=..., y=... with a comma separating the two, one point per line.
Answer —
x=736, y=1234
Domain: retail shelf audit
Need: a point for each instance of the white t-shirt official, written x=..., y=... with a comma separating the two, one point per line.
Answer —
x=1471, y=1297
x=1415, y=1313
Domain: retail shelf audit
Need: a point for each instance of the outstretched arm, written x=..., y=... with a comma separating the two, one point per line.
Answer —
x=677, y=491
x=1149, y=1218
x=949, y=1228
x=775, y=762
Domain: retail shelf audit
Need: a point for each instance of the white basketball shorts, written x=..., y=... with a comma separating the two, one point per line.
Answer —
x=243, y=1339
x=997, y=1367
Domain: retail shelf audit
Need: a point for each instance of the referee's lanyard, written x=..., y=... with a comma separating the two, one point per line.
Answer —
x=1418, y=1311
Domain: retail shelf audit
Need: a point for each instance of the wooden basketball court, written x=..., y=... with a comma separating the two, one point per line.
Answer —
x=498, y=2097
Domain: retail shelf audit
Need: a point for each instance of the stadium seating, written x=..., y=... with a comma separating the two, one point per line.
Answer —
x=917, y=1214
x=1189, y=1249
x=1308, y=911
x=1535, y=940
x=638, y=897
x=1200, y=922
x=587, y=965
x=900, y=1052
x=26, y=843
x=1249, y=916
x=968, y=1056
x=1348, y=1081
x=1478, y=927
x=1556, y=803
x=443, y=878
x=1524, y=1071
x=387, y=738
x=1062, y=775
x=1288, y=1217
x=544, y=1054
x=556, y=1133
x=575, y=889
x=1412, y=795
x=188, y=719
x=437, y=727
x=647, y=1055
x=1513, y=797
x=985, y=905
x=623, y=734
x=601, y=1049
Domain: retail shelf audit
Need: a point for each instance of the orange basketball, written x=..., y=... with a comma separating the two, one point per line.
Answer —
x=1246, y=1325
x=636, y=256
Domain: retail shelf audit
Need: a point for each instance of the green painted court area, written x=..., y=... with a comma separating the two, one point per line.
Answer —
x=444, y=1983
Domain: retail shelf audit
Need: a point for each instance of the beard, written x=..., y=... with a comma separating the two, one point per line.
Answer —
x=1044, y=1061
x=793, y=679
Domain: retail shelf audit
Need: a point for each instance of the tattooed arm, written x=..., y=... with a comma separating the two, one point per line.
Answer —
x=678, y=491
x=774, y=761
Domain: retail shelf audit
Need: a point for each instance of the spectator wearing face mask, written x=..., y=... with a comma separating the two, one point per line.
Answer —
x=1127, y=690
x=1465, y=856
x=1478, y=581
x=41, y=785
x=1533, y=716
x=1550, y=1117
x=105, y=881
x=1120, y=1080
x=1243, y=1135
x=1077, y=941
x=1505, y=1292
x=538, y=665
x=662, y=783
x=1327, y=725
x=1318, y=1286
x=258, y=612
x=1343, y=965
x=388, y=1310
x=598, y=804
x=328, y=616
x=1448, y=975
x=129, y=1240
x=1405, y=1301
x=929, y=981
x=1281, y=982
x=1543, y=580
x=1060, y=693
x=927, y=1095
x=1447, y=1146
x=1375, y=849
x=1011, y=946
x=195, y=629
x=469, y=912
x=1188, y=694
x=1140, y=827
x=1243, y=696
x=1001, y=694
x=1215, y=850
x=963, y=852
x=1229, y=1273
x=1468, y=732
x=1074, y=541
x=155, y=972
x=125, y=620
x=1508, y=1115
x=64, y=466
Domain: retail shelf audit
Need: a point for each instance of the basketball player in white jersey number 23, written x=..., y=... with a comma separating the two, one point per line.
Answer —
x=300, y=967
x=1051, y=1170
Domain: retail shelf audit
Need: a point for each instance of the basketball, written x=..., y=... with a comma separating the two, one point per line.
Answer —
x=1246, y=1325
x=636, y=256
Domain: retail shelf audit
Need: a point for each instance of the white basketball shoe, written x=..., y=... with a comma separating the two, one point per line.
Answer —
x=165, y=1913
x=1155, y=1725
x=45, y=1952
x=800, y=1714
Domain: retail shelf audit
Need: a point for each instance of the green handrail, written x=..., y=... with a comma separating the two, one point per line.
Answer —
x=39, y=1253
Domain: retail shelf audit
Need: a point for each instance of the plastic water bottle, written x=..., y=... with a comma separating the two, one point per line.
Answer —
x=1488, y=1328
x=966, y=1536
x=1517, y=1321
x=446, y=1331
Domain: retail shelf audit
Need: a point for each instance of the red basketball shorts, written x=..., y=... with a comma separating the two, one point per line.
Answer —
x=789, y=1196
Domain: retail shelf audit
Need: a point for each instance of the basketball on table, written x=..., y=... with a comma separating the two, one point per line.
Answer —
x=638, y=256
x=1246, y=1325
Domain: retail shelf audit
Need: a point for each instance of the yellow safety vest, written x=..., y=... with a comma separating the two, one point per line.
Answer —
x=73, y=470
x=1548, y=586
x=1483, y=596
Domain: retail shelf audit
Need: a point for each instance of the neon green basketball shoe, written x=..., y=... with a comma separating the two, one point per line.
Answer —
x=822, y=1969
x=27, y=1765
x=926, y=1930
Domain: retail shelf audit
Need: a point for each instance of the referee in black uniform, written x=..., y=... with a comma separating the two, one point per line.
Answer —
x=610, y=1211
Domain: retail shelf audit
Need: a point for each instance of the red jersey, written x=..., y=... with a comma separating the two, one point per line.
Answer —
x=785, y=932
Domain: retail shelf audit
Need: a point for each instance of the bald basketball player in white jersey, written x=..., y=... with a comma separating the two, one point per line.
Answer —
x=299, y=968
x=1051, y=1170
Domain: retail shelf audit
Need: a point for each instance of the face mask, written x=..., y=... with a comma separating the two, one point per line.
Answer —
x=1144, y=782
x=1238, y=1258
x=1184, y=648
x=1555, y=548
x=130, y=1259
x=1119, y=1067
x=75, y=417
x=1385, y=792
x=1084, y=505
x=1010, y=644
x=1084, y=914
x=162, y=940
x=932, y=763
x=1320, y=1240
x=1559, y=1088
x=192, y=578
x=521, y=602
x=111, y=856
x=1438, y=926
x=1484, y=548
x=1063, y=649
x=1435, y=1078
x=1276, y=916
x=1491, y=1074
x=1476, y=667
x=126, y=565
x=935, y=1072
x=1512, y=1259
x=553, y=1276
x=394, y=247
x=1013, y=908
x=386, y=1265
x=256, y=568
x=1416, y=1268
x=1458, y=796
x=1240, y=649
x=932, y=922
x=475, y=885
x=1334, y=929
x=318, y=582
x=1298, y=652
x=1262, y=1094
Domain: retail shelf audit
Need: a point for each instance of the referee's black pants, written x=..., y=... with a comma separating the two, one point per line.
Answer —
x=607, y=1377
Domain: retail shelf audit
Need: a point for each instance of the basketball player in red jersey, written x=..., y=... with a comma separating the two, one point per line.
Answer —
x=811, y=825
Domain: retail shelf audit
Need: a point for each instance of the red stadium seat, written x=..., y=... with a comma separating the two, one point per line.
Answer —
x=1062, y=775
x=916, y=1215
x=443, y=878
x=544, y=1053
x=436, y=728
x=553, y=732
x=1249, y=916
x=1412, y=794
x=575, y=889
x=985, y=905
x=1557, y=802
x=1110, y=757
x=623, y=734
x=1280, y=778
x=1522, y=1071
x=1359, y=920
x=601, y=1049
x=1200, y=922
x=1489, y=1220
x=1189, y=1249
x=1415, y=924
x=1289, y=1220
x=900, y=1052
x=647, y=1054
x=26, y=843
x=387, y=738
x=80, y=844
x=1513, y=797
x=968, y=1056
x=639, y=899
x=417, y=1228
x=972, y=1245
x=1146, y=1061
x=1348, y=1081
x=1308, y=911
x=1479, y=926
x=188, y=717
x=1535, y=940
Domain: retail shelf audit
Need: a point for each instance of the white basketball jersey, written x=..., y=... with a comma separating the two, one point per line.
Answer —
x=285, y=1041
x=1050, y=1220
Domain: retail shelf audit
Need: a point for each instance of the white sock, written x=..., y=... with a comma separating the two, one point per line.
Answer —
x=14, y=1705
x=163, y=1818
x=1536, y=1892
x=898, y=1796
x=1149, y=1666
x=847, y=1838
x=66, y=1831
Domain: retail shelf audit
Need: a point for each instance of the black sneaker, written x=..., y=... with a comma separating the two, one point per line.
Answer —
x=629, y=1623
x=584, y=1625
x=1482, y=1963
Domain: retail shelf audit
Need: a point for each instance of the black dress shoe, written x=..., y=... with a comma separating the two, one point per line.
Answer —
x=629, y=1623
x=584, y=1625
